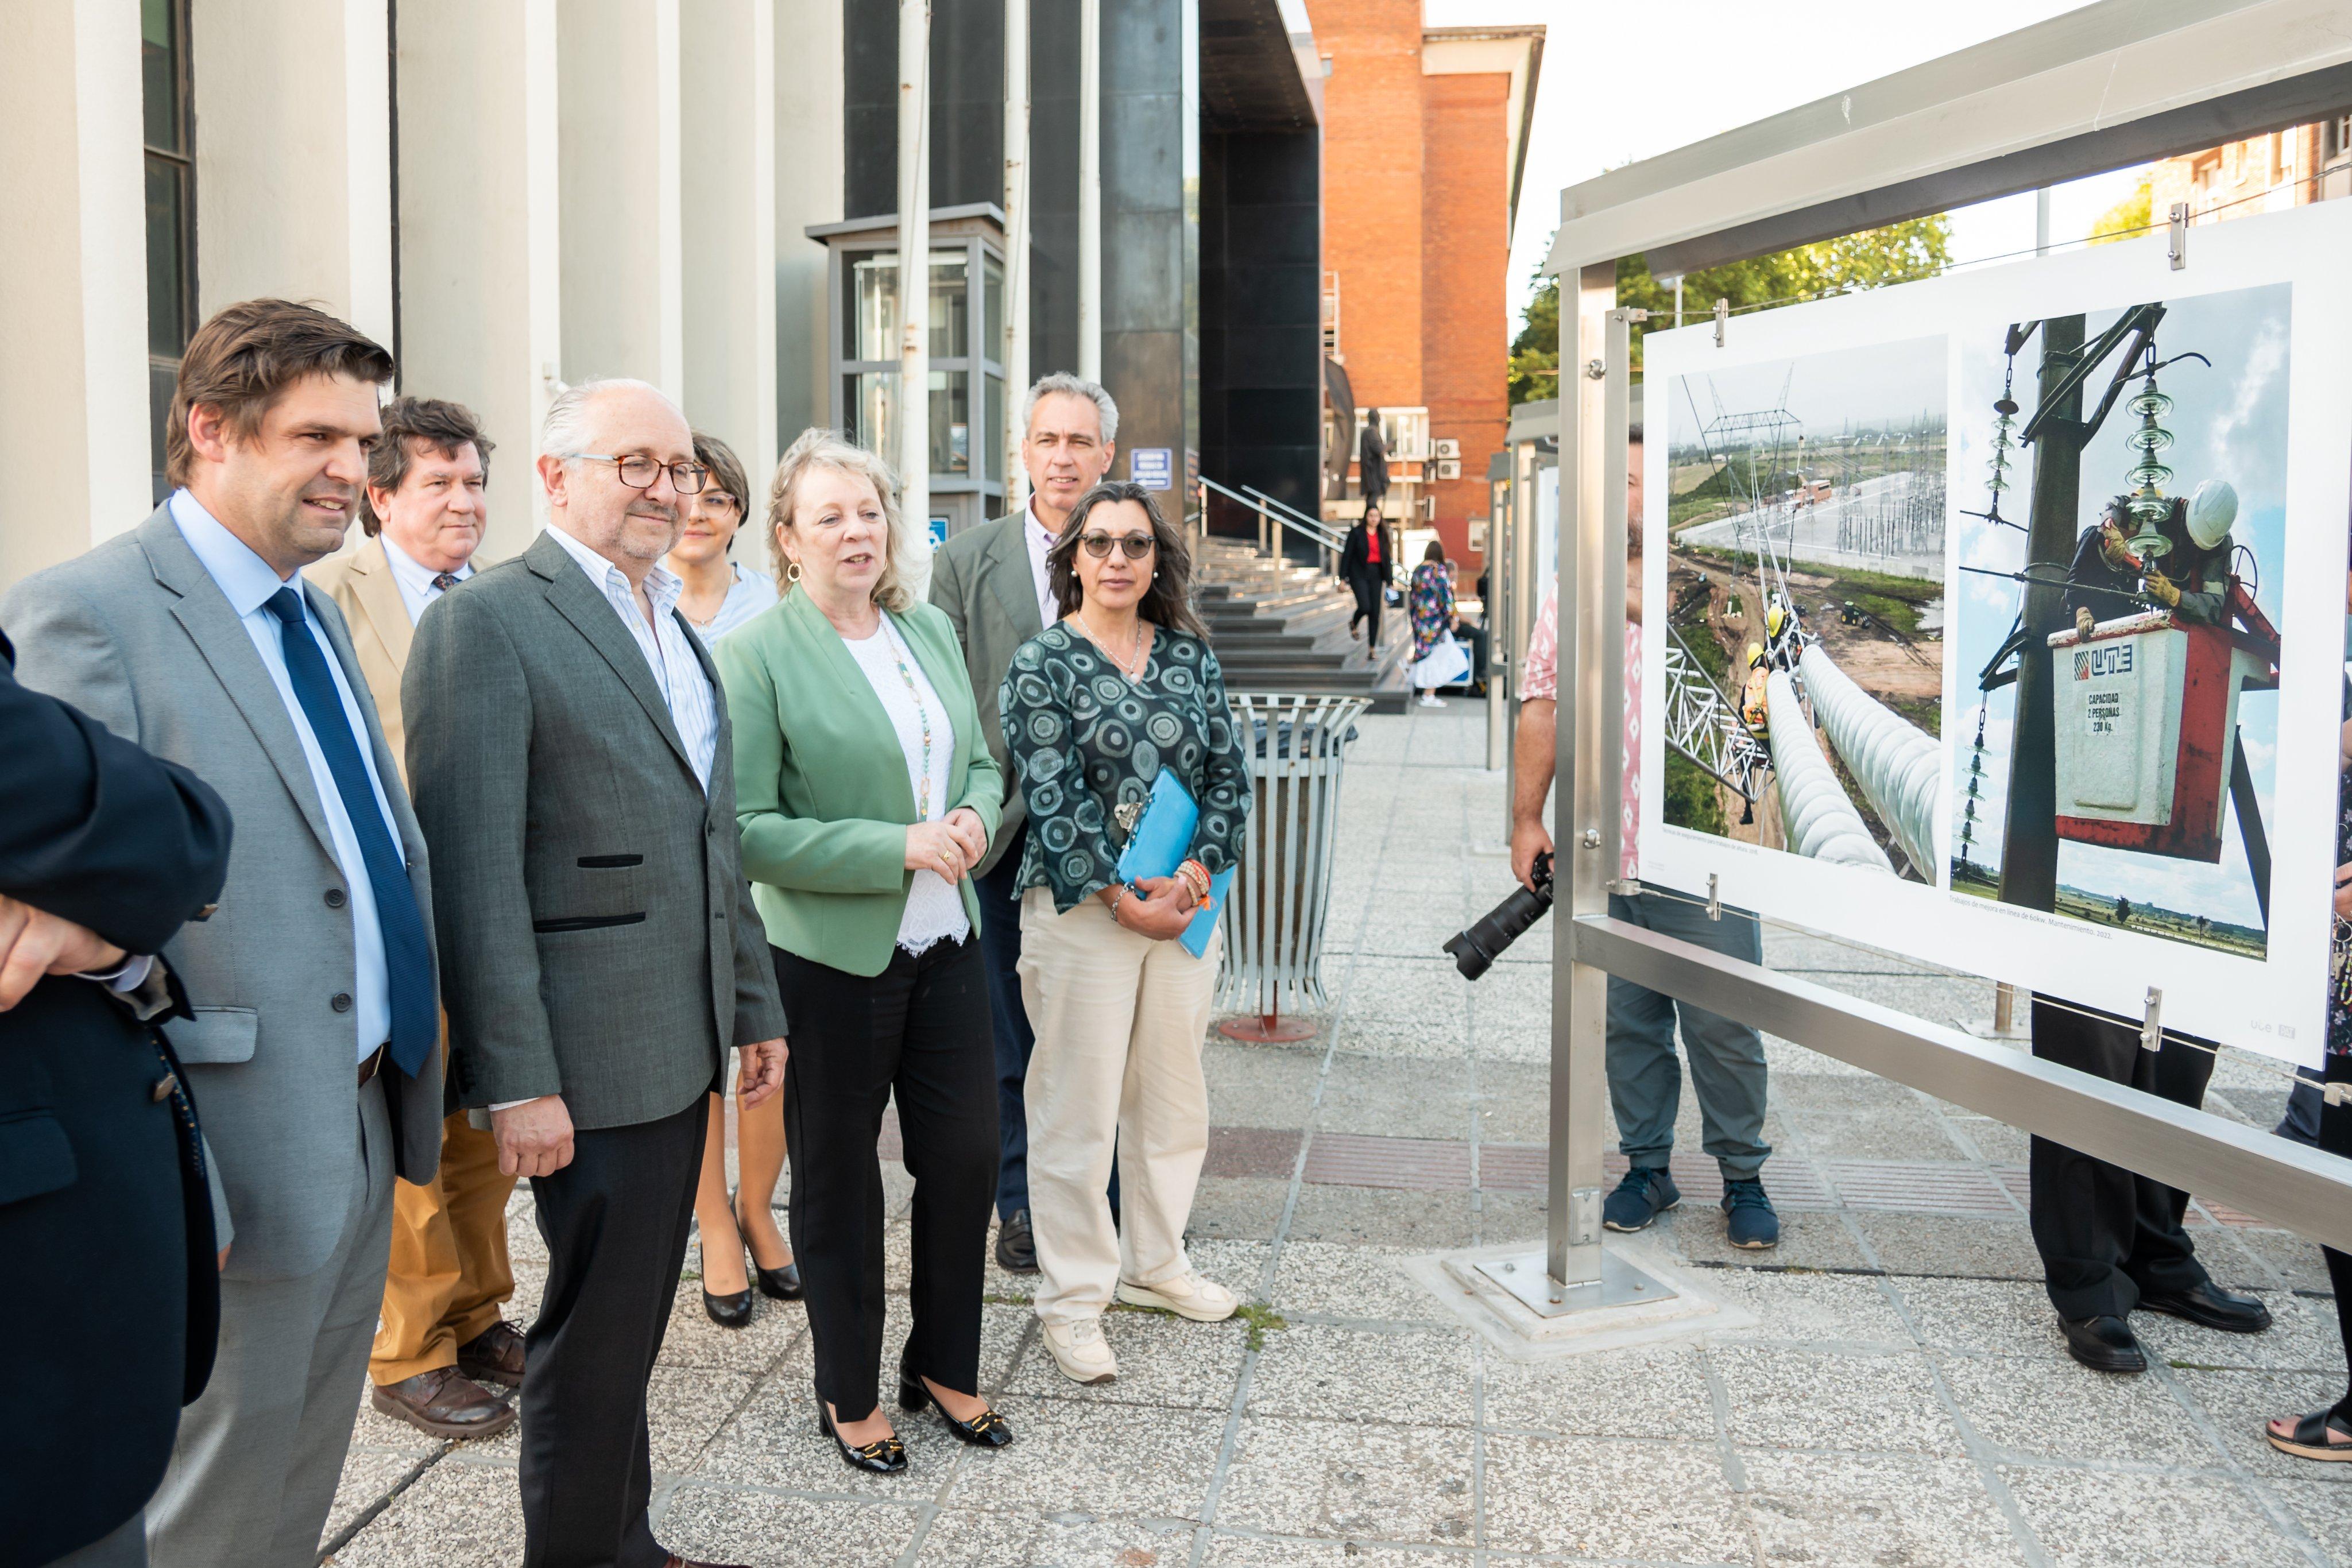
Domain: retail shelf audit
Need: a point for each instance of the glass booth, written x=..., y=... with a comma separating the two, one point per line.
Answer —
x=966, y=314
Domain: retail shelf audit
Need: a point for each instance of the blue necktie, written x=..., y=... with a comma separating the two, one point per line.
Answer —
x=407, y=963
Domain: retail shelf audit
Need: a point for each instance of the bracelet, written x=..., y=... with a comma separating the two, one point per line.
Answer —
x=1196, y=876
x=1114, y=899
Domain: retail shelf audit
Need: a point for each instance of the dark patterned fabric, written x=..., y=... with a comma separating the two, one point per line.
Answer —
x=2339, y=955
x=1430, y=603
x=1086, y=739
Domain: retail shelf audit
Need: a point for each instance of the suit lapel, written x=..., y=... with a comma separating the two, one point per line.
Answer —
x=385, y=613
x=1014, y=583
x=857, y=691
x=204, y=612
x=593, y=615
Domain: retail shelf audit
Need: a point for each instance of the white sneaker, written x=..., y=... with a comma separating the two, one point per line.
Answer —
x=1080, y=1350
x=1188, y=1295
x=1428, y=700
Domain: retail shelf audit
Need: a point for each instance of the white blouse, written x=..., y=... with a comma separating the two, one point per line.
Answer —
x=934, y=907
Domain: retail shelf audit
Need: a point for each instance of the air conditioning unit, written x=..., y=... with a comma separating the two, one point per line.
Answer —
x=1445, y=447
x=1449, y=467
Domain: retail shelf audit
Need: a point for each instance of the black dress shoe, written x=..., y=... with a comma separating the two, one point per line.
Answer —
x=2206, y=1302
x=986, y=1430
x=1016, y=1248
x=777, y=1284
x=883, y=1456
x=731, y=1310
x=2104, y=1344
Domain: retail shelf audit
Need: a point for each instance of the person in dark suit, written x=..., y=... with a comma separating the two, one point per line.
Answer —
x=1368, y=565
x=105, y=852
x=569, y=745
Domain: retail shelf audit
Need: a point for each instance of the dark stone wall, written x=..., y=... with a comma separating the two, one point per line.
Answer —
x=967, y=104
x=1261, y=303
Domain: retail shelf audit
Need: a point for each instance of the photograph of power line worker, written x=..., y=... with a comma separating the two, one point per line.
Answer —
x=2120, y=563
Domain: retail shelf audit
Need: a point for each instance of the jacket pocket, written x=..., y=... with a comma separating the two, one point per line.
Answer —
x=586, y=922
x=609, y=863
x=35, y=1156
x=214, y=1034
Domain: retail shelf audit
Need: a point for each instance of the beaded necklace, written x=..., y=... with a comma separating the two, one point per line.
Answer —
x=922, y=712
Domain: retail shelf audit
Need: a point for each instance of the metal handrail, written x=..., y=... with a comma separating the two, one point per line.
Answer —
x=1328, y=538
x=1270, y=512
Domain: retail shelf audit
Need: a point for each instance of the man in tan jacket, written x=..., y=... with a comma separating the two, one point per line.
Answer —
x=442, y=1340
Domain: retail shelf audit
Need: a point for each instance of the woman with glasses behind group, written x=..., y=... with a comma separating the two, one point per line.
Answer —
x=1096, y=707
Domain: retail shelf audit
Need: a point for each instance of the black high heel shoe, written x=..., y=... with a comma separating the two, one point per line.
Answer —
x=986, y=1430
x=777, y=1284
x=883, y=1456
x=732, y=1311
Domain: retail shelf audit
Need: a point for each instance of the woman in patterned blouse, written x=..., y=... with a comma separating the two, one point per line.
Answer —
x=1095, y=706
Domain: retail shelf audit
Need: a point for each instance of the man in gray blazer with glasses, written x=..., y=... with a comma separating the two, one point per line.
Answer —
x=568, y=748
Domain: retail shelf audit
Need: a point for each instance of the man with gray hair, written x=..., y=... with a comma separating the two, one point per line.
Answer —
x=992, y=582
x=569, y=753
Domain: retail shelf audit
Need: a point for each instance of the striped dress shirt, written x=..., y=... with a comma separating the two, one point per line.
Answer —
x=687, y=693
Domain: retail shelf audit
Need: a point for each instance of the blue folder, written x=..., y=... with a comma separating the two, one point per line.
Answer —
x=1157, y=848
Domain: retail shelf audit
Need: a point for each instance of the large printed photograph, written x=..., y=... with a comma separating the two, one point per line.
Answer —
x=2120, y=538
x=1805, y=587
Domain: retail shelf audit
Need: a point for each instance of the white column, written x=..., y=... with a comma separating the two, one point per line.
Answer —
x=480, y=275
x=293, y=112
x=1016, y=246
x=617, y=108
x=808, y=191
x=727, y=52
x=914, y=418
x=1091, y=189
x=73, y=282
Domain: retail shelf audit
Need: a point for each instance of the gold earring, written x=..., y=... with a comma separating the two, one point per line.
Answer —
x=792, y=571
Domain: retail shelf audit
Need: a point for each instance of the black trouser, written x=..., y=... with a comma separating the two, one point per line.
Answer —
x=1369, y=596
x=614, y=1221
x=1000, y=944
x=918, y=1032
x=2107, y=1236
x=2335, y=1137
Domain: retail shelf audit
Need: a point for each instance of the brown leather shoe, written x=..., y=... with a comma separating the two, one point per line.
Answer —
x=494, y=1355
x=677, y=1562
x=446, y=1402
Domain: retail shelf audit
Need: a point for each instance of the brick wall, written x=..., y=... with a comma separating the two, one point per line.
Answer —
x=1465, y=311
x=1373, y=184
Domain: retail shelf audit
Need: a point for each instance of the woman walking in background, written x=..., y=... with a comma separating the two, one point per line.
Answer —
x=865, y=795
x=1429, y=604
x=1364, y=564
x=719, y=596
x=1096, y=708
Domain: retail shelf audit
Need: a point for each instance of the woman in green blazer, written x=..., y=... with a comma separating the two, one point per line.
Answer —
x=866, y=794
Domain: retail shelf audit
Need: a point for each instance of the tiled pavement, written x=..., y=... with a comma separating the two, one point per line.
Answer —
x=1901, y=1398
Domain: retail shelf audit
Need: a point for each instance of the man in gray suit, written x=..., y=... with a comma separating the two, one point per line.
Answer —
x=314, y=1048
x=991, y=581
x=569, y=746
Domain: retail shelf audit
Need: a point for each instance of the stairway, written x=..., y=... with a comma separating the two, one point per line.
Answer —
x=1282, y=626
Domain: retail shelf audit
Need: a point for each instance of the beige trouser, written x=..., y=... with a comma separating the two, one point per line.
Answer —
x=1119, y=1020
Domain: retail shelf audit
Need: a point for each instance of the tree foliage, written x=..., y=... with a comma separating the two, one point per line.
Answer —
x=2128, y=218
x=1899, y=252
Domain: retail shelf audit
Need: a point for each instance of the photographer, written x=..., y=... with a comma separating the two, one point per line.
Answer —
x=1645, y=1081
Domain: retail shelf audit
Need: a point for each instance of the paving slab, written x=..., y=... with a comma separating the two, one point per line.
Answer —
x=1809, y=1399
x=2087, y=1516
x=1348, y=1479
x=1661, y=1502
x=1852, y=1511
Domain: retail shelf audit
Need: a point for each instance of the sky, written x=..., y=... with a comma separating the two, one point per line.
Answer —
x=2230, y=424
x=1733, y=62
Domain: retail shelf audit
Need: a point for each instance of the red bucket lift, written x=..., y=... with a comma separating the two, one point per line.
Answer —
x=2147, y=725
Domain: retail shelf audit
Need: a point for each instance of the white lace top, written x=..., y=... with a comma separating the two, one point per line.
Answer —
x=934, y=907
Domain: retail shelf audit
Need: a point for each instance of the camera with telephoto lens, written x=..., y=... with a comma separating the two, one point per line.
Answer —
x=1476, y=949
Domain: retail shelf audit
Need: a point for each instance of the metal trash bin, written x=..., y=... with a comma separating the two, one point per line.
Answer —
x=1274, y=919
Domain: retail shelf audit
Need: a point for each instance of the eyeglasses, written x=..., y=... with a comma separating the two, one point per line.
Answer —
x=639, y=471
x=1135, y=547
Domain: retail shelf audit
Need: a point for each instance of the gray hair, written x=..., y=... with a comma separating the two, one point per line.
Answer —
x=820, y=448
x=1071, y=386
x=565, y=430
